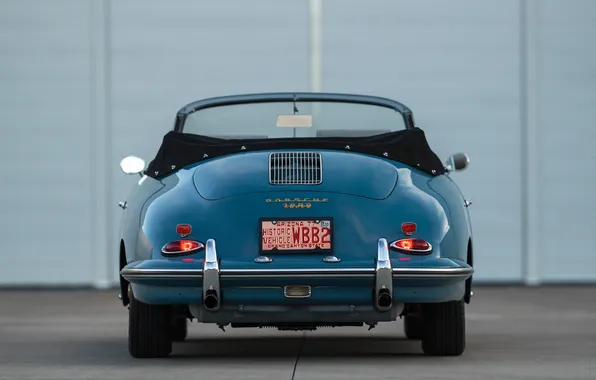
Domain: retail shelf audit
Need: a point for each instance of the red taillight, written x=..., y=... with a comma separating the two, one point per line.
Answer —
x=182, y=247
x=183, y=229
x=411, y=245
x=408, y=228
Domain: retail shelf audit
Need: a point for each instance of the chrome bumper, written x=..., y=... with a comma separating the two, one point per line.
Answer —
x=398, y=273
x=383, y=274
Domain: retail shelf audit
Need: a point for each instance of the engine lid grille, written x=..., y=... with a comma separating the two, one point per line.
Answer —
x=295, y=168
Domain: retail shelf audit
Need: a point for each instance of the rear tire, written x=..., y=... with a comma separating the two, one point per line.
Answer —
x=444, y=328
x=179, y=329
x=149, y=330
x=413, y=326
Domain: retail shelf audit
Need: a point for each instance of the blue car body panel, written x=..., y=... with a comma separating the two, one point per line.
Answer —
x=367, y=197
x=241, y=174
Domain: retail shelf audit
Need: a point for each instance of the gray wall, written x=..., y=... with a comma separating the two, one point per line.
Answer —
x=84, y=83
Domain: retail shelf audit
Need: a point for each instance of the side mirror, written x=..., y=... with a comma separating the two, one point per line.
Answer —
x=132, y=165
x=457, y=162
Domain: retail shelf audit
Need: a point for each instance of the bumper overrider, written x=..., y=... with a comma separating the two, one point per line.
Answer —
x=436, y=280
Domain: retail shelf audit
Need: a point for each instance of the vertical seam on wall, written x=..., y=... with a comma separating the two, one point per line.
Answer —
x=531, y=217
x=100, y=145
x=110, y=262
x=93, y=238
x=523, y=114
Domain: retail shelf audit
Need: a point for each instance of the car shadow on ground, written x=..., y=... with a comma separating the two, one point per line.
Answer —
x=278, y=347
x=114, y=352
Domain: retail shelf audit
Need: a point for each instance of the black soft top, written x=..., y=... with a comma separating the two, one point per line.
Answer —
x=408, y=146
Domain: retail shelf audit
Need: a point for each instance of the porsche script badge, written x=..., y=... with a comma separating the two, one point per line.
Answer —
x=297, y=202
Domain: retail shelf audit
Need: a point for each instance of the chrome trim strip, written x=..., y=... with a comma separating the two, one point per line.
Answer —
x=211, y=272
x=383, y=274
x=299, y=275
x=445, y=272
x=140, y=273
x=299, y=272
x=442, y=272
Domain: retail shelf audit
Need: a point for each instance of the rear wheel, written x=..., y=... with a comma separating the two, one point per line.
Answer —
x=149, y=332
x=444, y=332
x=413, y=326
x=179, y=328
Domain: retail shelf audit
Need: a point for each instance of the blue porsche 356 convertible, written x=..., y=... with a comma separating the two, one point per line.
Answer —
x=295, y=211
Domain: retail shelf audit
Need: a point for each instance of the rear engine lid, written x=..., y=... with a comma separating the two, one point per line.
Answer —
x=334, y=172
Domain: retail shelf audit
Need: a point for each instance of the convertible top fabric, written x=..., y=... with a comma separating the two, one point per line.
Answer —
x=408, y=146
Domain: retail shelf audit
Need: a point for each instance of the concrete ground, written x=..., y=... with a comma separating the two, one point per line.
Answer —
x=513, y=333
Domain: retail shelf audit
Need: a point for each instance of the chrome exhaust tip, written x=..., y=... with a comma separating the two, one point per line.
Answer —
x=211, y=300
x=384, y=299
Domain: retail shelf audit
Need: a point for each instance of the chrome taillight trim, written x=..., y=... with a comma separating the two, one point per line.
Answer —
x=411, y=251
x=200, y=247
x=295, y=168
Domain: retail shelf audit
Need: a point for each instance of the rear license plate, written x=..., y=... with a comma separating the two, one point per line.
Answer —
x=296, y=235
